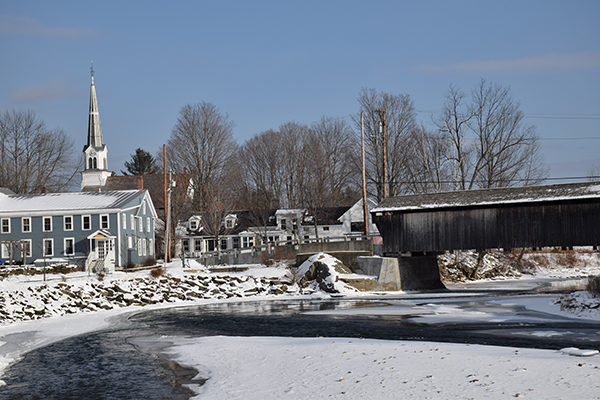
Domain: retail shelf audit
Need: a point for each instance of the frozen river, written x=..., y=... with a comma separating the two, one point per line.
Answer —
x=117, y=364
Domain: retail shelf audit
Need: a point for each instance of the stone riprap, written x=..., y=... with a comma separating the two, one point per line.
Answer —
x=61, y=298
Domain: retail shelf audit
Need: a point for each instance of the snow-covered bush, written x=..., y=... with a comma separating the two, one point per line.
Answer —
x=593, y=285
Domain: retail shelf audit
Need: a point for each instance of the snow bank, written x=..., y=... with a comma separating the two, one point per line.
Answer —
x=309, y=368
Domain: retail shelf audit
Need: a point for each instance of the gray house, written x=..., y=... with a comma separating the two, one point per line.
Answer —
x=101, y=229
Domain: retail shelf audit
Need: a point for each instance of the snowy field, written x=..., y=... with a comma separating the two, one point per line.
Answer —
x=302, y=368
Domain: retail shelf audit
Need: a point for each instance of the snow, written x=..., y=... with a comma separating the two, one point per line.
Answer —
x=300, y=368
x=304, y=368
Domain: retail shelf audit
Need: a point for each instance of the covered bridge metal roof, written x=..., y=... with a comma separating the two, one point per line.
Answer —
x=487, y=197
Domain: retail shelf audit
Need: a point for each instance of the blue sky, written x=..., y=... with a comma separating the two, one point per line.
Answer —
x=270, y=62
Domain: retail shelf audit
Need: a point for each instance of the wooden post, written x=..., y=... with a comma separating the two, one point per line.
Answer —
x=384, y=160
x=165, y=201
x=364, y=176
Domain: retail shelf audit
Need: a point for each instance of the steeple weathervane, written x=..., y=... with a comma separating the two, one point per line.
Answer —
x=92, y=69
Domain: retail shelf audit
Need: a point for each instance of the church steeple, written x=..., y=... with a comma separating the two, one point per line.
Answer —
x=96, y=153
x=94, y=128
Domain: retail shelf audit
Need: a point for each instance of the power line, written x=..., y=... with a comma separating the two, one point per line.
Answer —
x=536, y=115
x=590, y=178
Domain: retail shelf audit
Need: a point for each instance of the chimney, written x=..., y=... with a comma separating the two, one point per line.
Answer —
x=44, y=190
x=140, y=182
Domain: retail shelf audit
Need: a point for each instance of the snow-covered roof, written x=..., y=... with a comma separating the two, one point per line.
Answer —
x=49, y=202
x=484, y=197
x=287, y=211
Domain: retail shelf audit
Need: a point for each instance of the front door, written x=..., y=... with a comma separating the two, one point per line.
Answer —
x=102, y=249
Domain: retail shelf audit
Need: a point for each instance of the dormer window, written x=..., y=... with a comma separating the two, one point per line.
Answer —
x=194, y=223
x=230, y=221
x=283, y=224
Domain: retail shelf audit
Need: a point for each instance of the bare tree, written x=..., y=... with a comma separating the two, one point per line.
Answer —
x=490, y=146
x=261, y=171
x=202, y=141
x=594, y=173
x=33, y=156
x=328, y=152
x=400, y=120
x=293, y=138
x=428, y=169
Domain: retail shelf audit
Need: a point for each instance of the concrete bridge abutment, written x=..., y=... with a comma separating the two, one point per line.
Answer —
x=402, y=272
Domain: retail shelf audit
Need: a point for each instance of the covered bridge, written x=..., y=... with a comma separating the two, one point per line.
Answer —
x=536, y=216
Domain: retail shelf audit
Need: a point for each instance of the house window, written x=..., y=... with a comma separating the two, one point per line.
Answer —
x=69, y=246
x=210, y=243
x=47, y=224
x=198, y=245
x=148, y=226
x=104, y=221
x=4, y=251
x=129, y=242
x=325, y=228
x=150, y=247
x=247, y=242
x=5, y=225
x=27, y=247
x=86, y=222
x=68, y=223
x=144, y=208
x=193, y=225
x=124, y=221
x=223, y=244
x=141, y=224
x=48, y=247
x=229, y=223
x=236, y=242
x=26, y=224
x=139, y=246
x=132, y=222
x=283, y=224
x=185, y=243
x=144, y=247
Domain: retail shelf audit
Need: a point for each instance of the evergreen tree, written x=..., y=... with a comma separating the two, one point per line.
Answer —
x=142, y=163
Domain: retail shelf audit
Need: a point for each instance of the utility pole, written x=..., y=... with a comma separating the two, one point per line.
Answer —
x=168, y=227
x=165, y=201
x=382, y=115
x=364, y=177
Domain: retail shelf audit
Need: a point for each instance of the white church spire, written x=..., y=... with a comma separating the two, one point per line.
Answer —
x=94, y=128
x=96, y=153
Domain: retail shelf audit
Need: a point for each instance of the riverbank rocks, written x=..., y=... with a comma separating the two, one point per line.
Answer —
x=322, y=271
x=42, y=300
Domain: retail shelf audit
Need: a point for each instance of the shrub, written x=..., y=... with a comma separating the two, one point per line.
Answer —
x=129, y=265
x=568, y=259
x=593, y=285
x=148, y=262
x=157, y=273
x=541, y=260
x=519, y=263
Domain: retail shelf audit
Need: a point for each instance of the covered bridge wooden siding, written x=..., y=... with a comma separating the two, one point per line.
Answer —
x=536, y=216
